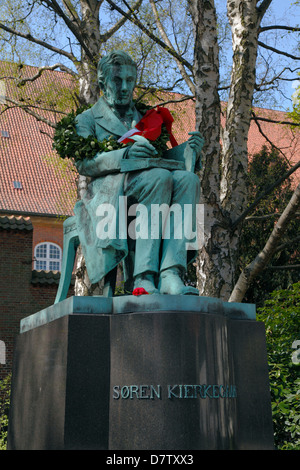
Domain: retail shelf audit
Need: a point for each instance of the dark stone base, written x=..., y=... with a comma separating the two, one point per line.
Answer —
x=63, y=394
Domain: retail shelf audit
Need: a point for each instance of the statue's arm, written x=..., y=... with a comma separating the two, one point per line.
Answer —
x=103, y=163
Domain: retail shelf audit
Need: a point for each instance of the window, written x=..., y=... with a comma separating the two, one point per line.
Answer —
x=2, y=352
x=2, y=92
x=17, y=184
x=47, y=257
x=5, y=133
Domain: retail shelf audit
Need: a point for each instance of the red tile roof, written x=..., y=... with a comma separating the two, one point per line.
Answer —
x=26, y=156
x=282, y=136
x=287, y=140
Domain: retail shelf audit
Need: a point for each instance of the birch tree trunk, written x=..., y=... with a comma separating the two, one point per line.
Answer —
x=244, y=18
x=88, y=83
x=88, y=94
x=208, y=111
x=223, y=182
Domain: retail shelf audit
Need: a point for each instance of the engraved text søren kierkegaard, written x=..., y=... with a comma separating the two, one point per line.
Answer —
x=151, y=392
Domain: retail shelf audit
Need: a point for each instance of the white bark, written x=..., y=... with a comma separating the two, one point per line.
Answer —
x=206, y=77
x=88, y=83
x=262, y=259
x=224, y=190
x=243, y=18
x=83, y=286
x=88, y=94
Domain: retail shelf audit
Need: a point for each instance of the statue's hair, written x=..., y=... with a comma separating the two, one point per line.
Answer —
x=113, y=58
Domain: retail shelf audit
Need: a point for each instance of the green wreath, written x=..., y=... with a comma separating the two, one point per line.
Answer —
x=68, y=144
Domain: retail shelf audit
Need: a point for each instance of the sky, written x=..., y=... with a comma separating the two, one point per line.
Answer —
x=281, y=12
x=286, y=12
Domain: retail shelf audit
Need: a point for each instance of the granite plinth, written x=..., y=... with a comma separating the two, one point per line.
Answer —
x=99, y=305
x=60, y=386
x=138, y=379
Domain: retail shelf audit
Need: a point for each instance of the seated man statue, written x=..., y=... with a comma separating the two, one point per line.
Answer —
x=159, y=263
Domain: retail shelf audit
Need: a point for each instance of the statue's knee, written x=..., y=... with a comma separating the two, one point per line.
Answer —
x=160, y=177
x=188, y=179
x=193, y=179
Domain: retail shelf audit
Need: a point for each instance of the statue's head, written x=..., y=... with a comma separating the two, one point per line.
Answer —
x=117, y=74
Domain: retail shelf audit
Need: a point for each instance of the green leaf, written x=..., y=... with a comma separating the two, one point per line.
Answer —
x=68, y=144
x=283, y=408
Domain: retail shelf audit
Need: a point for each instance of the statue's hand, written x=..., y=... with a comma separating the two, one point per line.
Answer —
x=141, y=148
x=196, y=142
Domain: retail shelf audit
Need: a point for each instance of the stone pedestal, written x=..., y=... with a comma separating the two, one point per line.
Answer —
x=151, y=372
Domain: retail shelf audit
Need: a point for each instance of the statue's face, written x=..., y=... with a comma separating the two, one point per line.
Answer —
x=119, y=85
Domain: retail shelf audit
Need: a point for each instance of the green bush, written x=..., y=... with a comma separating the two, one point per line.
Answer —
x=4, y=408
x=281, y=316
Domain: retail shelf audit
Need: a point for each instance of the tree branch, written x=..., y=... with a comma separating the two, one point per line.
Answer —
x=71, y=9
x=185, y=98
x=137, y=22
x=278, y=77
x=22, y=81
x=288, y=243
x=259, y=263
x=273, y=49
x=287, y=266
x=104, y=37
x=182, y=70
x=263, y=8
x=266, y=137
x=288, y=28
x=264, y=194
x=70, y=24
x=287, y=123
x=27, y=109
x=255, y=218
x=30, y=38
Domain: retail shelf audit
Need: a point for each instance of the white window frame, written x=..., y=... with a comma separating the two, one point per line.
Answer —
x=47, y=258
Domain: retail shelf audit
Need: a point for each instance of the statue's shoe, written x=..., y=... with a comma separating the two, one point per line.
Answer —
x=146, y=281
x=171, y=283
